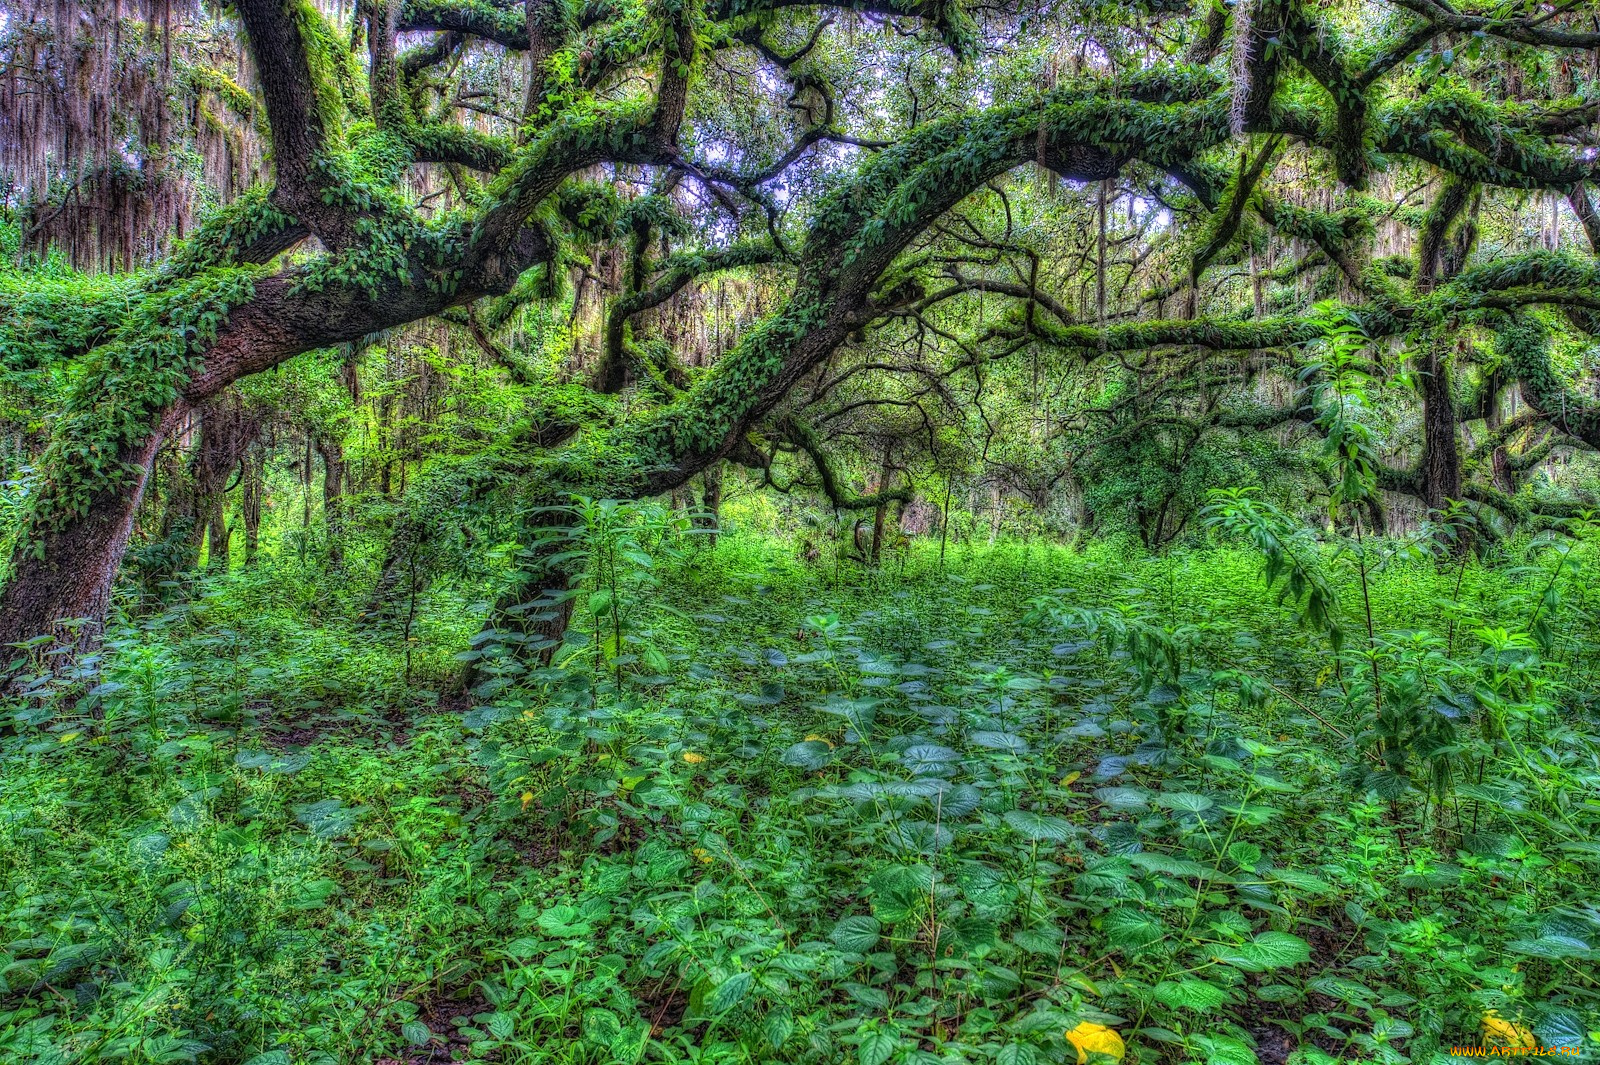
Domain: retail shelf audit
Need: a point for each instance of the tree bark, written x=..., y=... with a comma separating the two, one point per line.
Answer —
x=332, y=453
x=60, y=586
x=1441, y=453
x=251, y=486
x=530, y=618
x=219, y=538
x=711, y=501
x=881, y=512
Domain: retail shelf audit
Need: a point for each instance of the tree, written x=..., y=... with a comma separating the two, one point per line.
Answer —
x=403, y=189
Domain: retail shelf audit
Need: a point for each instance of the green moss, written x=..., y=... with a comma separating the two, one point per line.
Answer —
x=1524, y=344
x=234, y=96
x=121, y=387
x=227, y=232
x=702, y=418
x=336, y=76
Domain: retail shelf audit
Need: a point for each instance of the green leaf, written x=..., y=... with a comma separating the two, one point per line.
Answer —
x=1037, y=826
x=1001, y=741
x=1345, y=990
x=416, y=1033
x=600, y=1026
x=1553, y=947
x=1224, y=1050
x=1247, y=855
x=878, y=1047
x=730, y=992
x=811, y=755
x=1561, y=1028
x=1017, y=1054
x=1130, y=929
x=1183, y=801
x=857, y=933
x=1124, y=800
x=1268, y=950
x=778, y=1027
x=1296, y=879
x=1189, y=995
x=1167, y=865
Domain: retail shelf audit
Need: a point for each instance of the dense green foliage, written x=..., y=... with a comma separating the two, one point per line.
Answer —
x=757, y=813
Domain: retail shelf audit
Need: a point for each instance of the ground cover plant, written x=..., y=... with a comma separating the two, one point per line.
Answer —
x=946, y=816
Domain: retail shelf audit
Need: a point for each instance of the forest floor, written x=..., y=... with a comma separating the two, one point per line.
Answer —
x=942, y=813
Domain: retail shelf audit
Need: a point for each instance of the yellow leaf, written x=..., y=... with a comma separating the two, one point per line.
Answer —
x=692, y=758
x=702, y=854
x=815, y=738
x=527, y=797
x=1096, y=1039
x=1070, y=779
x=1499, y=1032
x=68, y=737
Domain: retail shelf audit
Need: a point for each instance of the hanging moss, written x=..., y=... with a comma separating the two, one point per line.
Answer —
x=233, y=95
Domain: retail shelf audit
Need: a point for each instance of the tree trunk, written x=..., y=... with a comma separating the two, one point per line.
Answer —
x=332, y=453
x=251, y=486
x=881, y=511
x=218, y=539
x=1500, y=466
x=529, y=619
x=1441, y=456
x=385, y=408
x=182, y=522
x=68, y=576
x=306, y=467
x=711, y=501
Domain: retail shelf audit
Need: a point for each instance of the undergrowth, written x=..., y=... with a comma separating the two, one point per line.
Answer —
x=760, y=811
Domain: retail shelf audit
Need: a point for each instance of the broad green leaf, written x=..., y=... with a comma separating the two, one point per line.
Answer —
x=1225, y=1050
x=811, y=755
x=857, y=933
x=1129, y=928
x=1040, y=827
x=778, y=1027
x=1189, y=994
x=877, y=1047
x=1551, y=946
x=1183, y=801
x=1124, y=800
x=1170, y=866
x=1268, y=950
x=730, y=992
x=1017, y=1054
